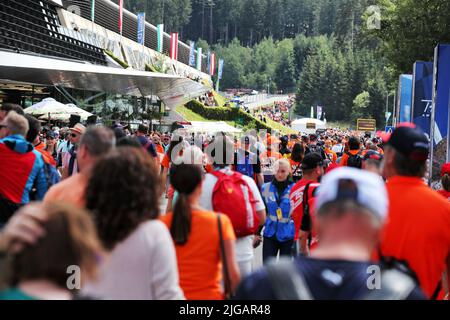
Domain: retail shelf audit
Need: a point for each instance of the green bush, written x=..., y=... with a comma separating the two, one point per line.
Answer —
x=226, y=114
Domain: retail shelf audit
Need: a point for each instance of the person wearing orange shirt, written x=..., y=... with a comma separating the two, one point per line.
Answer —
x=94, y=143
x=204, y=241
x=330, y=153
x=353, y=153
x=156, y=139
x=418, y=227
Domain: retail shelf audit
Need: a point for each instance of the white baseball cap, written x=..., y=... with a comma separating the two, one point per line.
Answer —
x=370, y=191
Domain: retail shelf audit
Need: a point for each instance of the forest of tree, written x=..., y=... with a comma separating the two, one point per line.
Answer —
x=319, y=49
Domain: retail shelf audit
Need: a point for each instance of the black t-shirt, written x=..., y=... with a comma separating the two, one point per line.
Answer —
x=326, y=279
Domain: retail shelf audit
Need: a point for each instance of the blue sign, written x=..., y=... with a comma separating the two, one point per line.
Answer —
x=141, y=28
x=441, y=93
x=405, y=98
x=422, y=95
x=389, y=129
x=439, y=112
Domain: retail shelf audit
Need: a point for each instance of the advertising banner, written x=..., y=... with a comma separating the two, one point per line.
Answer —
x=422, y=95
x=439, y=111
x=141, y=28
x=404, y=98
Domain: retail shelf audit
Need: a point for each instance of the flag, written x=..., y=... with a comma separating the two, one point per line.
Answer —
x=141, y=28
x=220, y=72
x=208, y=61
x=199, y=59
x=192, y=54
x=160, y=30
x=319, y=113
x=120, y=16
x=212, y=64
x=174, y=46
x=92, y=10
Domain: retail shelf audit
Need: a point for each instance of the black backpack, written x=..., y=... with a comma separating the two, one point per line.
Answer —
x=317, y=149
x=354, y=161
x=288, y=283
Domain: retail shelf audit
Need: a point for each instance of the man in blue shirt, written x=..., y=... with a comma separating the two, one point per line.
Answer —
x=147, y=144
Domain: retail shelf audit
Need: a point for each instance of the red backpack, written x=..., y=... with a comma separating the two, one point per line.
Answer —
x=233, y=197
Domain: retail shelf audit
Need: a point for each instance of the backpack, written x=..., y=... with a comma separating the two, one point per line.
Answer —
x=244, y=168
x=233, y=197
x=288, y=283
x=317, y=149
x=354, y=161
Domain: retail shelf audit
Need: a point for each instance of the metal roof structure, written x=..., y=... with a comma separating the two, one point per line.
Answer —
x=172, y=90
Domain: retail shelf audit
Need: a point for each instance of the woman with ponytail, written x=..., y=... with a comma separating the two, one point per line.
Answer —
x=195, y=233
x=445, y=180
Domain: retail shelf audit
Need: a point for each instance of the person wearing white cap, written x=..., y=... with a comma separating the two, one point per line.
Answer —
x=351, y=208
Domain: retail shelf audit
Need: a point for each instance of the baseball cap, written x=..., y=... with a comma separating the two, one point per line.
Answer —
x=445, y=169
x=312, y=161
x=51, y=135
x=373, y=155
x=410, y=142
x=79, y=128
x=365, y=188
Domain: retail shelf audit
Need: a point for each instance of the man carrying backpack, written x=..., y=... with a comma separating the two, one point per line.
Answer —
x=353, y=157
x=237, y=196
x=351, y=216
x=313, y=147
x=147, y=144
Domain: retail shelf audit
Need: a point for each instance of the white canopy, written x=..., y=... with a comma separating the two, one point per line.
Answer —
x=49, y=108
x=46, y=106
x=210, y=127
x=308, y=125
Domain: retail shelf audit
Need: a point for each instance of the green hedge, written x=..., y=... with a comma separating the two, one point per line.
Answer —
x=226, y=114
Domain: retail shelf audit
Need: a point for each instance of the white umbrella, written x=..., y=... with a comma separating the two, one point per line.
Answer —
x=71, y=109
x=78, y=111
x=46, y=106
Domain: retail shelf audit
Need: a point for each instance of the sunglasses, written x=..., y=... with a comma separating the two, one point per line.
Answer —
x=73, y=135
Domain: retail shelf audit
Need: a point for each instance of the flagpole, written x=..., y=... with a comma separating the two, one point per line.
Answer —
x=121, y=19
x=93, y=14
